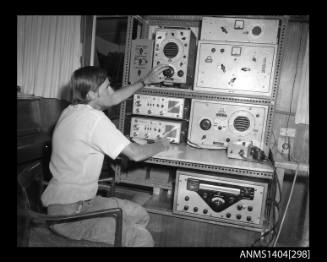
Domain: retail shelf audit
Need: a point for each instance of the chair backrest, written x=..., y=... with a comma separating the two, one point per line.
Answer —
x=29, y=181
x=23, y=220
x=29, y=189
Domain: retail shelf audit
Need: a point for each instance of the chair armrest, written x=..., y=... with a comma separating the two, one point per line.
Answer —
x=104, y=187
x=112, y=212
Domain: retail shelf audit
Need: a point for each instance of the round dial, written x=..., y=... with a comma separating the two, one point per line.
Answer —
x=256, y=30
x=168, y=72
x=205, y=124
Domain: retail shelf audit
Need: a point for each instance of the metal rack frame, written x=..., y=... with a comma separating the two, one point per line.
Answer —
x=195, y=21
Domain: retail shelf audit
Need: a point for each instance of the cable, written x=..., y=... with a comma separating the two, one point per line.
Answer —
x=278, y=184
x=275, y=144
x=263, y=236
x=276, y=219
x=272, y=230
x=287, y=205
x=276, y=181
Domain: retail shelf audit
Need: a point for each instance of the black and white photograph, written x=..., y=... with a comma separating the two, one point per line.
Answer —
x=159, y=131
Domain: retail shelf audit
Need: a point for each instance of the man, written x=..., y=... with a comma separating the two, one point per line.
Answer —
x=81, y=138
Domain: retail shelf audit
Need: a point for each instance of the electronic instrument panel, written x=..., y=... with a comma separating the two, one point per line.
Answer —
x=220, y=198
x=214, y=124
x=240, y=30
x=141, y=59
x=235, y=68
x=153, y=129
x=159, y=106
x=176, y=48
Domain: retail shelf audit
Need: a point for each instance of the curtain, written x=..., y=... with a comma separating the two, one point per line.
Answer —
x=302, y=110
x=48, y=51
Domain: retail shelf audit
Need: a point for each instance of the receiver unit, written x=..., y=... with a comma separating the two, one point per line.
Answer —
x=175, y=47
x=220, y=198
x=214, y=124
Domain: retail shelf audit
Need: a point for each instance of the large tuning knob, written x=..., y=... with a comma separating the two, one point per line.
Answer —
x=205, y=124
x=168, y=72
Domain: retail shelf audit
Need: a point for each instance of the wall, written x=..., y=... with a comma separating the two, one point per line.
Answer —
x=287, y=97
x=292, y=233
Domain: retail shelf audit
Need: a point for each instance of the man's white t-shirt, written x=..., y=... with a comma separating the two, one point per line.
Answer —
x=81, y=138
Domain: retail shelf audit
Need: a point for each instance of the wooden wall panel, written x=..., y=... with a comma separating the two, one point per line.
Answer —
x=169, y=231
x=288, y=92
x=291, y=68
x=300, y=150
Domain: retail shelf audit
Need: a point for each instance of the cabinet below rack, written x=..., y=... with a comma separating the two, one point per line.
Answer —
x=162, y=204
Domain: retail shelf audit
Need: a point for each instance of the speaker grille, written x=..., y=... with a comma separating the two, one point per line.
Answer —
x=170, y=50
x=241, y=123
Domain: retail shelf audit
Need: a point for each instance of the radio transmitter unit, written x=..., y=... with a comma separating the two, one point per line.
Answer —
x=214, y=124
x=153, y=129
x=175, y=47
x=160, y=106
x=240, y=30
x=236, y=68
x=220, y=198
x=141, y=59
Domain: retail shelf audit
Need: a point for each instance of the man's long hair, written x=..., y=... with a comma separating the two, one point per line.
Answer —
x=85, y=79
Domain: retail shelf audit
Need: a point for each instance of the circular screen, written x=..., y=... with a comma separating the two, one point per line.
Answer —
x=170, y=50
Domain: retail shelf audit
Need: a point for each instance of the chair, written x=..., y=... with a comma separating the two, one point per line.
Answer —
x=107, y=175
x=34, y=225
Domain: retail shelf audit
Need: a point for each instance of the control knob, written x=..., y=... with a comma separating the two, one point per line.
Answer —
x=205, y=124
x=168, y=72
x=218, y=201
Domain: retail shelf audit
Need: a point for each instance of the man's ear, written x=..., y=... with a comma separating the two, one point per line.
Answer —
x=91, y=95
